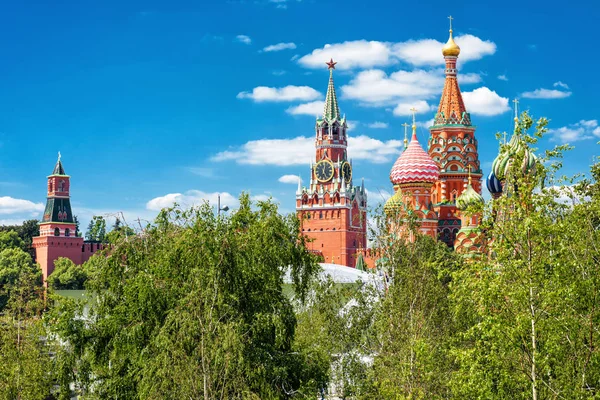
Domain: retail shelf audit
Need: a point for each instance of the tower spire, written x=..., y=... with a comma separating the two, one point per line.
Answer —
x=414, y=124
x=452, y=110
x=405, y=125
x=516, y=101
x=331, y=110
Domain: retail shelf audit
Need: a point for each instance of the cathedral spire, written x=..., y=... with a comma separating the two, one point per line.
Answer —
x=331, y=111
x=452, y=110
x=405, y=125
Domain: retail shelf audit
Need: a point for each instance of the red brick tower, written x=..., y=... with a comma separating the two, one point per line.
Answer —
x=453, y=147
x=57, y=229
x=332, y=211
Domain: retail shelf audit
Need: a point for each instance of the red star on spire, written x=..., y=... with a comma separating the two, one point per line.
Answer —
x=331, y=64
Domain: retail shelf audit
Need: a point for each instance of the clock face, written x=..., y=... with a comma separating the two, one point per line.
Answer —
x=324, y=171
x=347, y=172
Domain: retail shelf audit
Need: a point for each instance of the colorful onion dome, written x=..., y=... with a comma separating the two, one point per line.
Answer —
x=414, y=165
x=394, y=203
x=503, y=161
x=493, y=184
x=468, y=198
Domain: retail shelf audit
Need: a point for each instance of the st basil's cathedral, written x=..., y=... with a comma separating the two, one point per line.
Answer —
x=436, y=186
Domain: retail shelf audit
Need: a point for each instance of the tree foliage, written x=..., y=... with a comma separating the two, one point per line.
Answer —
x=67, y=275
x=194, y=308
x=96, y=230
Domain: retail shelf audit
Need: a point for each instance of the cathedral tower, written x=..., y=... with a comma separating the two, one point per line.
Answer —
x=331, y=209
x=453, y=147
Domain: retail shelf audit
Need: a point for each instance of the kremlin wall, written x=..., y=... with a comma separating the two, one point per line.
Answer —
x=437, y=185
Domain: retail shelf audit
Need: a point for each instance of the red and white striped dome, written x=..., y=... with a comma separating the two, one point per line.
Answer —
x=414, y=165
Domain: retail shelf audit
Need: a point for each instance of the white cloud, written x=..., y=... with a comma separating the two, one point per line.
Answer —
x=366, y=148
x=421, y=106
x=561, y=85
x=378, y=125
x=429, y=51
x=503, y=78
x=369, y=54
x=289, y=179
x=351, y=54
x=425, y=124
x=313, y=108
x=486, y=102
x=352, y=125
x=300, y=150
x=197, y=197
x=377, y=196
x=376, y=87
x=469, y=78
x=546, y=94
x=279, y=47
x=582, y=130
x=243, y=39
x=296, y=151
x=10, y=205
x=287, y=93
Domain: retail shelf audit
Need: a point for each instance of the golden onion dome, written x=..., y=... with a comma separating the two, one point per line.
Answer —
x=394, y=204
x=450, y=48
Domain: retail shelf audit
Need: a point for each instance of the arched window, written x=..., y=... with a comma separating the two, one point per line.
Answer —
x=56, y=232
x=67, y=232
x=61, y=186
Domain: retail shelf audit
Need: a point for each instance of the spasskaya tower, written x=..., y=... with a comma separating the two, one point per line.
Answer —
x=331, y=209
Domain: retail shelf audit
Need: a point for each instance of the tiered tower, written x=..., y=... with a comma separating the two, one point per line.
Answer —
x=453, y=147
x=331, y=209
x=413, y=175
x=57, y=229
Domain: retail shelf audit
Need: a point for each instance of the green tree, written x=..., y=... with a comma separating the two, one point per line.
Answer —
x=413, y=323
x=11, y=240
x=528, y=314
x=77, y=231
x=26, y=370
x=67, y=275
x=96, y=230
x=194, y=308
x=14, y=263
x=118, y=232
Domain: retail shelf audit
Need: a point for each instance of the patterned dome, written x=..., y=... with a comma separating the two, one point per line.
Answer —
x=468, y=197
x=394, y=203
x=414, y=165
x=493, y=184
x=503, y=161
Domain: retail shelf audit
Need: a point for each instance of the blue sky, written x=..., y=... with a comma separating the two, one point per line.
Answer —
x=152, y=102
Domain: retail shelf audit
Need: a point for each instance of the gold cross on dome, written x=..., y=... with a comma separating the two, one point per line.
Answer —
x=414, y=111
x=450, y=18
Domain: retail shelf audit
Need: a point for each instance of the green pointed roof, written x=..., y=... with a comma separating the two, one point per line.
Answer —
x=360, y=263
x=331, y=111
x=58, y=168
